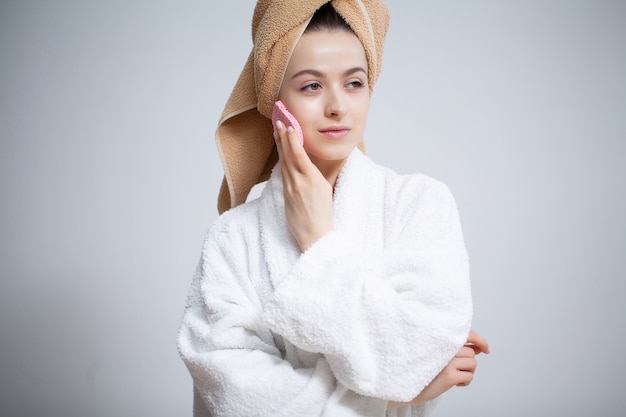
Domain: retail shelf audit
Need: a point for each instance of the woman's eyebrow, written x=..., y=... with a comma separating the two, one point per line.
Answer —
x=319, y=74
x=355, y=70
x=312, y=72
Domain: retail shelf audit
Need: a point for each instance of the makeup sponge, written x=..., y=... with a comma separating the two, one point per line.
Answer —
x=281, y=113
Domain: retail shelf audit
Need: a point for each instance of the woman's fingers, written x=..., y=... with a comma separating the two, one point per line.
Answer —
x=280, y=135
x=477, y=342
x=466, y=352
x=465, y=379
x=465, y=364
x=290, y=151
x=462, y=371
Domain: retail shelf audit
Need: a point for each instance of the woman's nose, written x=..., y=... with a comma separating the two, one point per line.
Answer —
x=336, y=105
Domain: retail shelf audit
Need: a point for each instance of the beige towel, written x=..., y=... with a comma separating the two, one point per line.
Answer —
x=244, y=134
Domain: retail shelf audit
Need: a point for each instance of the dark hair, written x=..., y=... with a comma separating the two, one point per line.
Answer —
x=327, y=18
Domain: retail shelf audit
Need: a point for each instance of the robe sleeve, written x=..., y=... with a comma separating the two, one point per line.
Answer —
x=236, y=367
x=387, y=321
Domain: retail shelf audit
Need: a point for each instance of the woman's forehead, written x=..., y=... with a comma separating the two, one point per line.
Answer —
x=327, y=50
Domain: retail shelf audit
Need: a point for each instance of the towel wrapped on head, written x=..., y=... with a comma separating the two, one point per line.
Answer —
x=244, y=134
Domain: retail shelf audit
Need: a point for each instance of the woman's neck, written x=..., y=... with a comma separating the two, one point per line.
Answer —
x=329, y=169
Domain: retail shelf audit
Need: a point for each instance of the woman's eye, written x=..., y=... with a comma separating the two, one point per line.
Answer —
x=355, y=84
x=312, y=87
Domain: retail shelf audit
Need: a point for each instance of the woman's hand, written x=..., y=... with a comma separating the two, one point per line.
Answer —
x=459, y=372
x=308, y=195
x=477, y=342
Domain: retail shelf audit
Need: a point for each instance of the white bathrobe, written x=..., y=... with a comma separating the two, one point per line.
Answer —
x=371, y=312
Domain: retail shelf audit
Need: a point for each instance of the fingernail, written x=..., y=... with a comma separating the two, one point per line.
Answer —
x=279, y=124
x=290, y=129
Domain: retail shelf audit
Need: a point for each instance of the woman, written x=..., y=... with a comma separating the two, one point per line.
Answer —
x=344, y=289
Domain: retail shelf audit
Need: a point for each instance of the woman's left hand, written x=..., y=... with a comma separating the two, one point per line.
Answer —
x=308, y=195
x=477, y=342
x=459, y=372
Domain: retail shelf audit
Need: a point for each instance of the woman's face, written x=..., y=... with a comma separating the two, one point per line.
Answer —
x=325, y=88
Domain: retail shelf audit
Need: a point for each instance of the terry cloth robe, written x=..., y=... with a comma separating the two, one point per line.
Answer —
x=371, y=312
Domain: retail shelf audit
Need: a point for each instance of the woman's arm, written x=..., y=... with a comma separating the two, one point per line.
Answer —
x=388, y=320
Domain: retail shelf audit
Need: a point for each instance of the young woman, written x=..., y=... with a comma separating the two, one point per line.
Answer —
x=344, y=289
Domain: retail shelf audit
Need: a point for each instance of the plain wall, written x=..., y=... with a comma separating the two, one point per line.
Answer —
x=109, y=177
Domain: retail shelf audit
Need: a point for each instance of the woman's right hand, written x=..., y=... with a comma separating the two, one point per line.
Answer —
x=308, y=195
x=459, y=372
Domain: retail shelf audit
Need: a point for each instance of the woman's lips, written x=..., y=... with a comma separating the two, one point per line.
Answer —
x=335, y=132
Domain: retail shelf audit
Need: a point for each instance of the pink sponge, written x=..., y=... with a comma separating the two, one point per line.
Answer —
x=281, y=113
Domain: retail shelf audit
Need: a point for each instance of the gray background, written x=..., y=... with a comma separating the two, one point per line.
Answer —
x=109, y=177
